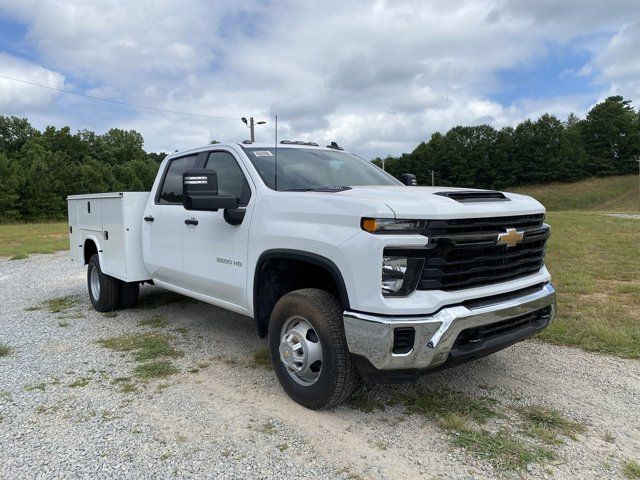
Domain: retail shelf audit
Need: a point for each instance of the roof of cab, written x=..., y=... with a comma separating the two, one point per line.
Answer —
x=248, y=145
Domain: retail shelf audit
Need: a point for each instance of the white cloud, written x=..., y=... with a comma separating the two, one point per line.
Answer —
x=619, y=63
x=17, y=97
x=377, y=77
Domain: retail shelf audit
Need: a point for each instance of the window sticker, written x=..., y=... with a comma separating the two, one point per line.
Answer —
x=263, y=153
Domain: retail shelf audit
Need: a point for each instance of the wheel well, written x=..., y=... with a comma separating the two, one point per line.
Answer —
x=279, y=274
x=90, y=249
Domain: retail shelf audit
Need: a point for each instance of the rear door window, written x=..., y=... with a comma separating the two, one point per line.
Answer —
x=171, y=192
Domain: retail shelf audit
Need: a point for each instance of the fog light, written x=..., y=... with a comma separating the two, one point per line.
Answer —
x=400, y=275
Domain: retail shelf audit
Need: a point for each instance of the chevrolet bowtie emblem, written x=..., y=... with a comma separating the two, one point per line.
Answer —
x=510, y=238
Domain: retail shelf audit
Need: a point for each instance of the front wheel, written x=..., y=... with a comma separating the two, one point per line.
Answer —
x=104, y=290
x=309, y=349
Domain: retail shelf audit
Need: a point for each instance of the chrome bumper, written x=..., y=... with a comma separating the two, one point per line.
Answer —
x=371, y=336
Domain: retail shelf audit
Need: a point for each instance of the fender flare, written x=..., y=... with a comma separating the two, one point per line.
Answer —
x=304, y=256
x=95, y=240
x=300, y=255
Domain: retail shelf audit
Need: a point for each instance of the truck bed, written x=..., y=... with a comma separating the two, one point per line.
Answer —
x=113, y=221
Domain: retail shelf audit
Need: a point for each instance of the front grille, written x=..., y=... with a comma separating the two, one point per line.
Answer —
x=472, y=336
x=464, y=253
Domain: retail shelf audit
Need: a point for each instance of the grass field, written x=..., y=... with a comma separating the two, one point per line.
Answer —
x=594, y=260
x=20, y=240
x=606, y=194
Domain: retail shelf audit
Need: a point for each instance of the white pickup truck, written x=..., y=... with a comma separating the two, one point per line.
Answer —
x=350, y=273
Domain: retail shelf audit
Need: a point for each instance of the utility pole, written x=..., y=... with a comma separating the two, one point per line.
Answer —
x=383, y=164
x=251, y=124
x=638, y=160
x=433, y=178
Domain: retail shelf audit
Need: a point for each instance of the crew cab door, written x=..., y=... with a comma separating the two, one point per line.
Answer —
x=163, y=224
x=215, y=252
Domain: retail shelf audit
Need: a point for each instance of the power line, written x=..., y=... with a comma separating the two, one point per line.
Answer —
x=109, y=100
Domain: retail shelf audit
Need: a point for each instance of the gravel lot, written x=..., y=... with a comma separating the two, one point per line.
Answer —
x=223, y=417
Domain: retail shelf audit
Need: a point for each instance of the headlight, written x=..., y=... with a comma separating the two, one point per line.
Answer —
x=391, y=225
x=400, y=275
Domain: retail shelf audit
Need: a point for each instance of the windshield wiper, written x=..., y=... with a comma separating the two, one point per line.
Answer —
x=326, y=188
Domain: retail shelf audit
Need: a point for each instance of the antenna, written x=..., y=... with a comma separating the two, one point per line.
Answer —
x=275, y=162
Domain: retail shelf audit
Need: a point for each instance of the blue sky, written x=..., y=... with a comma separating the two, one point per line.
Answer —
x=378, y=77
x=554, y=74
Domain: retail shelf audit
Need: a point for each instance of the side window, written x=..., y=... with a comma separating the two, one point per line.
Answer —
x=231, y=180
x=171, y=192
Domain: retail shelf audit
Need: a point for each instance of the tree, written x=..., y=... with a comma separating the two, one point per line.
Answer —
x=611, y=136
x=14, y=132
x=9, y=184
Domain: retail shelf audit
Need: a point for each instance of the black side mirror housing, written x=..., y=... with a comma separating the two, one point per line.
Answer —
x=409, y=179
x=200, y=191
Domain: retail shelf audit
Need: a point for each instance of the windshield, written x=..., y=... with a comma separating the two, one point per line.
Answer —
x=309, y=169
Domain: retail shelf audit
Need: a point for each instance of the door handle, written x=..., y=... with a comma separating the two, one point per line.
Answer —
x=191, y=221
x=149, y=218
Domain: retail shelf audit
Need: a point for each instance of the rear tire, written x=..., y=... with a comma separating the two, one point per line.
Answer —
x=129, y=294
x=309, y=349
x=104, y=290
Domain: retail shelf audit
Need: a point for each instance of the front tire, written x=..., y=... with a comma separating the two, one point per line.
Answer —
x=309, y=349
x=104, y=290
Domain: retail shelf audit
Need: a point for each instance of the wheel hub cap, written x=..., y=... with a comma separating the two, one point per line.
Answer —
x=95, y=283
x=301, y=351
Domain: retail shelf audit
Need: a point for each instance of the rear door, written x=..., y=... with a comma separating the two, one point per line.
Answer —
x=163, y=224
x=215, y=252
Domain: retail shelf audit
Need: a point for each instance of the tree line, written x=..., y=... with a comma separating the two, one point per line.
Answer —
x=38, y=169
x=605, y=142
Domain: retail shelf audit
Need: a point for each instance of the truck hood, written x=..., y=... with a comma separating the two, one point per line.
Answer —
x=422, y=202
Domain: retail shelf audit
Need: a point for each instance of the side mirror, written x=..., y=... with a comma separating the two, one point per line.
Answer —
x=409, y=179
x=200, y=191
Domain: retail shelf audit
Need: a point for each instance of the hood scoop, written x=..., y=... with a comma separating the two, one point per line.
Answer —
x=474, y=196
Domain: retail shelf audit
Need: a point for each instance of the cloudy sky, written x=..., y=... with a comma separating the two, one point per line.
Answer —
x=377, y=77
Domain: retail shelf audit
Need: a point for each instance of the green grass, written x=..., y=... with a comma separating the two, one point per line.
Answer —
x=155, y=369
x=5, y=350
x=80, y=382
x=594, y=260
x=502, y=449
x=441, y=403
x=510, y=438
x=631, y=470
x=548, y=425
x=144, y=346
x=268, y=428
x=59, y=304
x=611, y=194
x=39, y=386
x=157, y=321
x=260, y=358
x=20, y=240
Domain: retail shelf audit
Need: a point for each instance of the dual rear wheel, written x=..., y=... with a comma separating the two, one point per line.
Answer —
x=108, y=293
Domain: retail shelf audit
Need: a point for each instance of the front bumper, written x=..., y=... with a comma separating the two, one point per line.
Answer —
x=371, y=337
